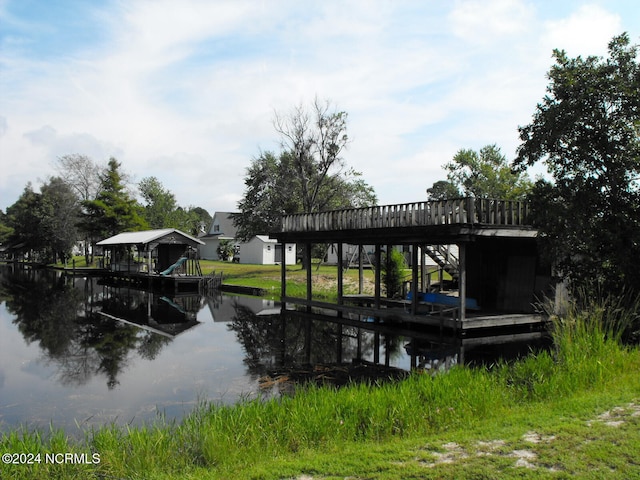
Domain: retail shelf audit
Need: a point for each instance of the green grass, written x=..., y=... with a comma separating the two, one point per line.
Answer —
x=324, y=278
x=267, y=277
x=572, y=412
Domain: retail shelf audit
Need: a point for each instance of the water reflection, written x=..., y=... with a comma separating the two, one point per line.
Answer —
x=82, y=351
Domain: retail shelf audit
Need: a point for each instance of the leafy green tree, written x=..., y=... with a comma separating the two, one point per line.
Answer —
x=5, y=229
x=25, y=220
x=202, y=219
x=586, y=130
x=45, y=223
x=308, y=175
x=160, y=204
x=225, y=250
x=486, y=174
x=442, y=190
x=161, y=209
x=113, y=211
x=270, y=193
x=392, y=270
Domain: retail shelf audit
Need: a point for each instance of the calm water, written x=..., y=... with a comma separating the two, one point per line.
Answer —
x=74, y=352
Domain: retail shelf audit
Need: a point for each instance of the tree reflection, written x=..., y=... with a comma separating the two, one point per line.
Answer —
x=68, y=321
x=285, y=349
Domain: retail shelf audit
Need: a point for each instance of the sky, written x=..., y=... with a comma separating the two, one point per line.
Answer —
x=187, y=90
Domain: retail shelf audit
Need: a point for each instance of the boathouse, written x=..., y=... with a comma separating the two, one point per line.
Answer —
x=498, y=275
x=167, y=256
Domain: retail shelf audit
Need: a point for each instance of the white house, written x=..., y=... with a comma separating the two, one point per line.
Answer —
x=260, y=250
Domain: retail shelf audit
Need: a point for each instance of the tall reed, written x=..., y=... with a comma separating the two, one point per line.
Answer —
x=589, y=339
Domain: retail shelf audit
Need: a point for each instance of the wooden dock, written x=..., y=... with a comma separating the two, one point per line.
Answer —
x=497, y=265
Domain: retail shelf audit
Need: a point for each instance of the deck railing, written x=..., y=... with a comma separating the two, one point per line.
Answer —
x=474, y=211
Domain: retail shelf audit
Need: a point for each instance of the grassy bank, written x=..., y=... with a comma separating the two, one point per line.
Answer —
x=574, y=411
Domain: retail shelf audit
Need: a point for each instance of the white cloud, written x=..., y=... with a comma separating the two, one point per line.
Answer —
x=587, y=31
x=186, y=91
x=482, y=22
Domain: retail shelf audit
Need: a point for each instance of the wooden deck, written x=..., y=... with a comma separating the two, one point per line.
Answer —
x=443, y=220
x=399, y=311
x=177, y=284
x=496, y=235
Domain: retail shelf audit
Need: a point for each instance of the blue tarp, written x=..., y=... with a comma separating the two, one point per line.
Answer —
x=442, y=299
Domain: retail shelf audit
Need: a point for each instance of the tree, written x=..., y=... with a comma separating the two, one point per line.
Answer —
x=269, y=194
x=202, y=219
x=587, y=132
x=81, y=173
x=5, y=229
x=162, y=211
x=486, y=174
x=225, y=250
x=25, y=220
x=160, y=203
x=60, y=211
x=113, y=211
x=442, y=190
x=315, y=141
x=308, y=175
x=45, y=222
x=392, y=270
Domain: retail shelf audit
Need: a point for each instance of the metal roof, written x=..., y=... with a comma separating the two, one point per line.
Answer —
x=144, y=237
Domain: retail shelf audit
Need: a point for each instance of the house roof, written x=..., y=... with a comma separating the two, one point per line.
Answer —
x=224, y=220
x=266, y=239
x=148, y=236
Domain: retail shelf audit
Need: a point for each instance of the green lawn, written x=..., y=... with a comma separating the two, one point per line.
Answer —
x=267, y=277
x=324, y=278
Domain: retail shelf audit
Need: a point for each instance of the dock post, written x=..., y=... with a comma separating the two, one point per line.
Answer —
x=360, y=270
x=307, y=255
x=340, y=278
x=414, y=279
x=377, y=279
x=283, y=278
x=462, y=288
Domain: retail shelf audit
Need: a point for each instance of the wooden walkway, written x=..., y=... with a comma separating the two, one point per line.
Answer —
x=497, y=260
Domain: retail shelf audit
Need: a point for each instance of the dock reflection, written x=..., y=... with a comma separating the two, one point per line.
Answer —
x=291, y=348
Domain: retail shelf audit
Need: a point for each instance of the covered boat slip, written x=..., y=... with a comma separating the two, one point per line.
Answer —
x=164, y=258
x=498, y=275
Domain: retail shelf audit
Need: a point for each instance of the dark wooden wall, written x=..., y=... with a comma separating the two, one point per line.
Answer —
x=168, y=255
x=506, y=274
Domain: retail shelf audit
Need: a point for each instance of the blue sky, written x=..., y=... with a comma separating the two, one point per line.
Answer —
x=186, y=90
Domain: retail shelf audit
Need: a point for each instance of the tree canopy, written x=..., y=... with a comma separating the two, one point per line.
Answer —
x=442, y=190
x=45, y=223
x=483, y=174
x=161, y=210
x=586, y=130
x=113, y=211
x=308, y=175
